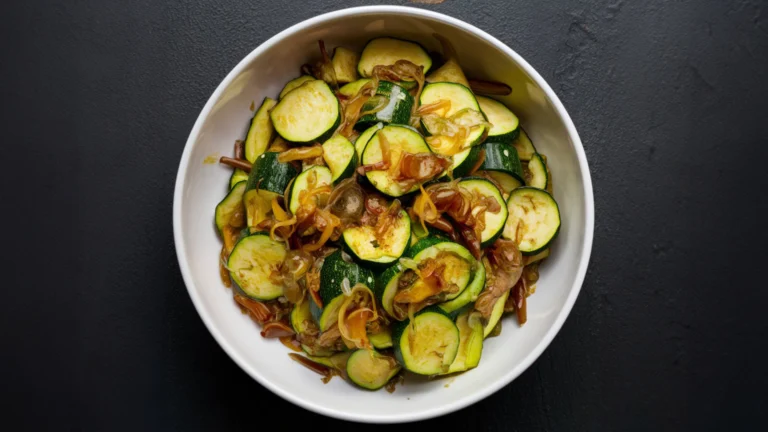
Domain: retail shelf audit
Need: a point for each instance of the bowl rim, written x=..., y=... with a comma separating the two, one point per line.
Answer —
x=466, y=400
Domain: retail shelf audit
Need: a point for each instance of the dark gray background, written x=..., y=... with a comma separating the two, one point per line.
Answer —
x=670, y=99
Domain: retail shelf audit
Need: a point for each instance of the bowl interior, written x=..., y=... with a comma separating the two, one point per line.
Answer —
x=201, y=186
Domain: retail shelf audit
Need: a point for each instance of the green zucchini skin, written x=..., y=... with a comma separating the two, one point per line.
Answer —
x=524, y=146
x=363, y=138
x=238, y=175
x=292, y=84
x=340, y=156
x=386, y=287
x=469, y=295
x=538, y=170
x=334, y=270
x=464, y=168
x=502, y=157
x=270, y=174
x=396, y=111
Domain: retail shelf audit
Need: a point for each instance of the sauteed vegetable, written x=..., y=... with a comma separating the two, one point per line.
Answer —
x=384, y=213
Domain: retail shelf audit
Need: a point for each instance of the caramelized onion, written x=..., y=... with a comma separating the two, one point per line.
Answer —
x=276, y=329
x=258, y=311
x=300, y=153
x=490, y=88
x=355, y=312
x=318, y=368
x=237, y=163
x=347, y=201
x=503, y=270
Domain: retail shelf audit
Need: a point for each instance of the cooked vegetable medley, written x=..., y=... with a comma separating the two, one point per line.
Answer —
x=384, y=213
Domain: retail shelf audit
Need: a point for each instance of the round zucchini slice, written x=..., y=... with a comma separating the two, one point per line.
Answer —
x=300, y=315
x=400, y=139
x=506, y=126
x=373, y=249
x=386, y=287
x=459, y=262
x=321, y=176
x=309, y=113
x=251, y=263
x=524, y=146
x=228, y=208
x=537, y=170
x=386, y=51
x=470, y=343
x=534, y=219
x=370, y=369
x=494, y=222
x=429, y=344
x=469, y=295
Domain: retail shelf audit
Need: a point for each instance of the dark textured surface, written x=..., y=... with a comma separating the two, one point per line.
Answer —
x=670, y=99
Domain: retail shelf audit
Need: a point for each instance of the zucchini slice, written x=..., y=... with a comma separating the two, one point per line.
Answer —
x=300, y=315
x=230, y=207
x=534, y=219
x=335, y=269
x=458, y=261
x=386, y=287
x=450, y=71
x=370, y=369
x=503, y=165
x=496, y=313
x=470, y=343
x=319, y=174
x=268, y=179
x=386, y=51
x=524, y=146
x=351, y=89
x=537, y=171
x=401, y=139
x=238, y=175
x=461, y=98
x=374, y=249
x=427, y=346
x=538, y=257
x=340, y=156
x=251, y=263
x=261, y=131
x=465, y=161
x=494, y=222
x=307, y=114
x=396, y=111
x=363, y=139
x=345, y=65
x=381, y=340
x=506, y=126
x=292, y=84
x=469, y=295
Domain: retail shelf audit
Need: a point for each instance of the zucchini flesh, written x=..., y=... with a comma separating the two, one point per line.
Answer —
x=401, y=139
x=534, y=219
x=307, y=114
x=470, y=343
x=381, y=340
x=238, y=175
x=351, y=89
x=396, y=111
x=524, y=146
x=292, y=84
x=251, y=263
x=494, y=222
x=261, y=131
x=364, y=244
x=339, y=154
x=496, y=313
x=538, y=257
x=229, y=207
x=319, y=174
x=458, y=261
x=427, y=346
x=537, y=170
x=461, y=98
x=386, y=51
x=370, y=369
x=450, y=71
x=506, y=126
x=363, y=139
x=344, y=65
x=470, y=294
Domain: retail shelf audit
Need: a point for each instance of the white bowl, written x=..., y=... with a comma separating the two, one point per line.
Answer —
x=200, y=186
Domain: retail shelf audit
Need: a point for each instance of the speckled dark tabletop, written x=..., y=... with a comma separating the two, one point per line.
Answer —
x=670, y=99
